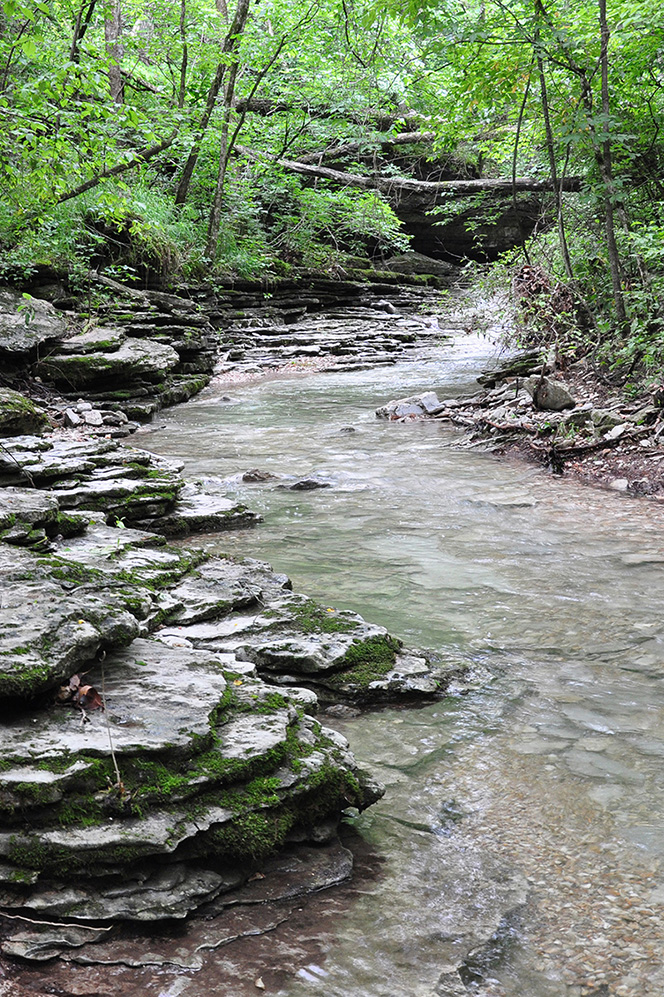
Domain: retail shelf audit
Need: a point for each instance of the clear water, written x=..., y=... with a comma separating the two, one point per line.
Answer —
x=546, y=779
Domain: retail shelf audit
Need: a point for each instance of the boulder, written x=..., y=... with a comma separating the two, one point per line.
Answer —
x=304, y=485
x=549, y=395
x=27, y=325
x=416, y=405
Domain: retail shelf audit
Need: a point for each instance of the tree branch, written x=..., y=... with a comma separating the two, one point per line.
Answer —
x=336, y=152
x=455, y=188
x=140, y=157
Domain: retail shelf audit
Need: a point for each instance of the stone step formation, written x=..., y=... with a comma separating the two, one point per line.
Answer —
x=159, y=736
x=141, y=351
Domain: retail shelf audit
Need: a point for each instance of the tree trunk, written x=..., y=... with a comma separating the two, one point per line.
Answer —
x=80, y=27
x=230, y=44
x=336, y=152
x=562, y=238
x=185, y=53
x=605, y=163
x=373, y=117
x=214, y=222
x=114, y=51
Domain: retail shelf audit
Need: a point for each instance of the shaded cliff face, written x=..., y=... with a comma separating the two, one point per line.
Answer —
x=481, y=231
x=480, y=227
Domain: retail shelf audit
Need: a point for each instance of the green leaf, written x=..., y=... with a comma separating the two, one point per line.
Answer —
x=29, y=48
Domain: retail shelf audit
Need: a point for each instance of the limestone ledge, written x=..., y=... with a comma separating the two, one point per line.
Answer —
x=208, y=756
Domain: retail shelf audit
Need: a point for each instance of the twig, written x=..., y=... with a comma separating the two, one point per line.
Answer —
x=119, y=785
x=22, y=469
x=56, y=924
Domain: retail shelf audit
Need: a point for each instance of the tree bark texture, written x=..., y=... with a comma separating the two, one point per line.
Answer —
x=114, y=51
x=337, y=152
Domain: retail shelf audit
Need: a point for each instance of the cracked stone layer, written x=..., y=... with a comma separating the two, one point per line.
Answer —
x=46, y=632
x=130, y=360
x=26, y=324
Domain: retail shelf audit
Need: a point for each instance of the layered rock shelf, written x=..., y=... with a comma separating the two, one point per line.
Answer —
x=158, y=736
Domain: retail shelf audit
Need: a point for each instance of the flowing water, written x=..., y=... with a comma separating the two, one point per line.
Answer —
x=532, y=805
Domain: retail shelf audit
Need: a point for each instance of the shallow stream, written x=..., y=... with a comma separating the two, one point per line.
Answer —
x=532, y=804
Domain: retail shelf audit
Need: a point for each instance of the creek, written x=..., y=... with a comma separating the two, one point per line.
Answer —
x=529, y=806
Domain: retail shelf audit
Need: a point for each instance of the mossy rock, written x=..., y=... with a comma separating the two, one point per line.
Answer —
x=19, y=416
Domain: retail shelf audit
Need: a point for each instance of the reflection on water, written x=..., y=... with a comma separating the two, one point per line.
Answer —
x=553, y=771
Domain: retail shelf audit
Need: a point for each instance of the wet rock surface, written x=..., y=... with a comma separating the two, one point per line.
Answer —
x=568, y=424
x=157, y=743
x=18, y=415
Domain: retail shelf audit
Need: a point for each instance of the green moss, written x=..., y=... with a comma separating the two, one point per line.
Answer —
x=26, y=683
x=311, y=617
x=252, y=836
x=366, y=661
x=261, y=704
x=60, y=764
x=68, y=525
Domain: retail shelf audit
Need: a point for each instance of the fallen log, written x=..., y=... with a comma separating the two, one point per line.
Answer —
x=402, y=185
x=366, y=146
x=377, y=118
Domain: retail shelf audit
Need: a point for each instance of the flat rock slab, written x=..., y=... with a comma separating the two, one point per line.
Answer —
x=112, y=494
x=248, y=737
x=199, y=510
x=57, y=459
x=27, y=505
x=170, y=892
x=46, y=632
x=26, y=323
x=19, y=415
x=132, y=360
x=298, y=871
x=158, y=700
x=95, y=474
x=102, y=339
x=204, y=598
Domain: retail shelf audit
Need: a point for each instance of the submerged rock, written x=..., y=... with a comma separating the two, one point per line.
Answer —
x=305, y=485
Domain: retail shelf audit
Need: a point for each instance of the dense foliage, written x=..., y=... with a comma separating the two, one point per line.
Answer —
x=156, y=135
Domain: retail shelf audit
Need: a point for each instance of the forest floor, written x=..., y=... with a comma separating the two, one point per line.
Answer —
x=607, y=440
